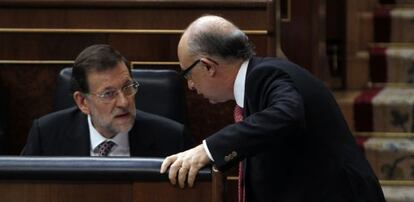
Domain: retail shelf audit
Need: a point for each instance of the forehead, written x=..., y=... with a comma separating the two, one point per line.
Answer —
x=110, y=78
x=183, y=55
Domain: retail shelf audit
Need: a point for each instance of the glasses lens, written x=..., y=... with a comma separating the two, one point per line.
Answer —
x=131, y=89
x=108, y=96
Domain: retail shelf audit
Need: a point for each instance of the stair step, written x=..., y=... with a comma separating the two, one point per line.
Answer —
x=385, y=25
x=378, y=109
x=394, y=25
x=391, y=158
x=398, y=193
x=382, y=63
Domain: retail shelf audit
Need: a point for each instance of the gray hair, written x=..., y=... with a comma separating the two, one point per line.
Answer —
x=99, y=57
x=221, y=39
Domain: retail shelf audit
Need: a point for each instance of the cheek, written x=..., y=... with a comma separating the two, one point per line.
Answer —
x=207, y=85
x=132, y=102
x=105, y=110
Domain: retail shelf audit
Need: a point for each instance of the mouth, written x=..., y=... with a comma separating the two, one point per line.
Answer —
x=122, y=116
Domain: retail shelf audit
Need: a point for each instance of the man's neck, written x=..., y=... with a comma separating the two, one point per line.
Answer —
x=102, y=132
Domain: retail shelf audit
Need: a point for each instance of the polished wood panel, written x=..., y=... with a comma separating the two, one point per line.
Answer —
x=302, y=28
x=98, y=179
x=155, y=191
x=302, y=43
x=40, y=191
x=111, y=18
x=303, y=37
x=80, y=191
x=30, y=89
x=22, y=42
x=135, y=47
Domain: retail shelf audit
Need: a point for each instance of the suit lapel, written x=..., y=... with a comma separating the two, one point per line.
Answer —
x=252, y=63
x=140, y=142
x=77, y=140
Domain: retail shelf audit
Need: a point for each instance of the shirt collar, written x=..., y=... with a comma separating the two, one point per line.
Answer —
x=120, y=139
x=239, y=84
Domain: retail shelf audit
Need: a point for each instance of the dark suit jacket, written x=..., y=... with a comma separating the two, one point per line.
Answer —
x=294, y=139
x=66, y=133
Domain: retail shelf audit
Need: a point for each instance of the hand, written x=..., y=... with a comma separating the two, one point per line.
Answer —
x=186, y=164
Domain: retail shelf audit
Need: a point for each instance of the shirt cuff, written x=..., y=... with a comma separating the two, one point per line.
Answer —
x=207, y=150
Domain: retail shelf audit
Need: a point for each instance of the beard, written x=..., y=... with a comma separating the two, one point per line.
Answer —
x=120, y=121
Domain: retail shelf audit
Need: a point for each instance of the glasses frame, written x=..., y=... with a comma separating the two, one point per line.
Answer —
x=104, y=99
x=187, y=70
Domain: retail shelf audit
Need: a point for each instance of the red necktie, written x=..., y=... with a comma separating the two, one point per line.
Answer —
x=238, y=116
x=105, y=147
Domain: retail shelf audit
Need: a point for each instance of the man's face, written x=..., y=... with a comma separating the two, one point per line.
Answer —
x=114, y=116
x=201, y=78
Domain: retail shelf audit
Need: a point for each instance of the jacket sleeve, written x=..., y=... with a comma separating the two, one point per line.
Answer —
x=276, y=111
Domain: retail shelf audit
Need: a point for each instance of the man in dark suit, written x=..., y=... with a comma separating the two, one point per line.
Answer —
x=105, y=121
x=294, y=142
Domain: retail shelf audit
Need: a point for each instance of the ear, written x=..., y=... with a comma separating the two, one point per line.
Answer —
x=81, y=101
x=210, y=66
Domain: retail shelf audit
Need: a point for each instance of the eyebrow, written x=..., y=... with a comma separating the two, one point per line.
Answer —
x=127, y=82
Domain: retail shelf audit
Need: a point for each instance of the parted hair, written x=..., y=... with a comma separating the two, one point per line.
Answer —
x=95, y=58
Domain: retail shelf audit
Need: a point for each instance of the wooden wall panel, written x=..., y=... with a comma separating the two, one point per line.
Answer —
x=31, y=86
x=101, y=21
x=102, y=191
x=126, y=18
x=303, y=37
x=30, y=89
x=45, y=46
x=31, y=31
x=39, y=191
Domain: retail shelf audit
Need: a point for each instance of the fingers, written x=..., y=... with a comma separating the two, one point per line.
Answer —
x=172, y=173
x=167, y=162
x=184, y=166
x=192, y=173
x=182, y=176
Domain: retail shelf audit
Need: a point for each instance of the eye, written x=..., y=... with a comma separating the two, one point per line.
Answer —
x=108, y=94
x=130, y=89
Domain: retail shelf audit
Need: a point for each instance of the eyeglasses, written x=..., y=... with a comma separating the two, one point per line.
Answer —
x=186, y=72
x=109, y=95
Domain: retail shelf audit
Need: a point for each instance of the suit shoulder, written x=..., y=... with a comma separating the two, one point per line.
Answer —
x=153, y=119
x=274, y=64
x=263, y=68
x=59, y=117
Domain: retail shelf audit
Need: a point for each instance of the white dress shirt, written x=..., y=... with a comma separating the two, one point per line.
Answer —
x=238, y=91
x=121, y=147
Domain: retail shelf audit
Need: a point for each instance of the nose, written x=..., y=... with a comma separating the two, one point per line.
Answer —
x=190, y=84
x=122, y=100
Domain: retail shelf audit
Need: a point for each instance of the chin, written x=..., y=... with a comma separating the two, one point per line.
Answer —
x=124, y=126
x=215, y=101
x=124, y=129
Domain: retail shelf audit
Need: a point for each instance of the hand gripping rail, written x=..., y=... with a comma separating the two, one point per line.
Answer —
x=86, y=168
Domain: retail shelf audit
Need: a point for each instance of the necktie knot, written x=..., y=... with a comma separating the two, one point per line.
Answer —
x=105, y=148
x=238, y=114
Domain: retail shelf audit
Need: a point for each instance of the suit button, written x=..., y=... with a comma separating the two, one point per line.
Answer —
x=227, y=158
x=234, y=154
